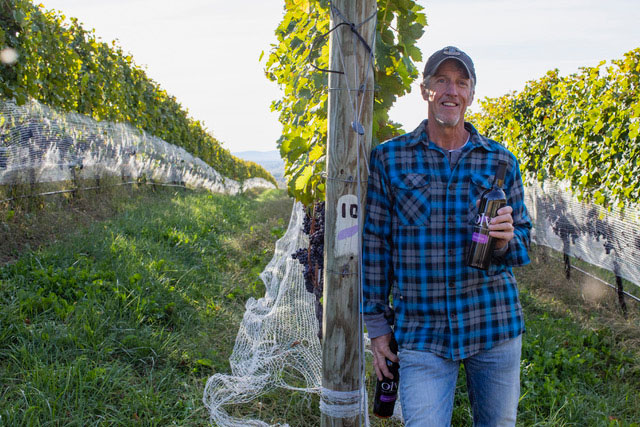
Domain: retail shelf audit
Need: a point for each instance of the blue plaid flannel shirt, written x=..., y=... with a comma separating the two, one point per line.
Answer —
x=417, y=230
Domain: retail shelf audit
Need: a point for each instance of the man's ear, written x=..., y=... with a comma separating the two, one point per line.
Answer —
x=424, y=91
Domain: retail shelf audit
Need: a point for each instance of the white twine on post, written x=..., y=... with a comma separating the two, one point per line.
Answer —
x=342, y=404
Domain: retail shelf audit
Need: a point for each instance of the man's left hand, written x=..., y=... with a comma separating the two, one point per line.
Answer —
x=501, y=227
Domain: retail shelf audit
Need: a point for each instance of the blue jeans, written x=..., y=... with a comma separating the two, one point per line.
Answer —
x=428, y=382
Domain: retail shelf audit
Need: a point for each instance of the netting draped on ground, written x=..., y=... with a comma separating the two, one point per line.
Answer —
x=277, y=344
x=40, y=145
x=607, y=239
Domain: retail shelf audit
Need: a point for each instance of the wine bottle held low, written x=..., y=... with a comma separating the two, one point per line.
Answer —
x=491, y=200
x=387, y=390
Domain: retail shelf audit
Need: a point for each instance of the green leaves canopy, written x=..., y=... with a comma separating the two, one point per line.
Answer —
x=303, y=107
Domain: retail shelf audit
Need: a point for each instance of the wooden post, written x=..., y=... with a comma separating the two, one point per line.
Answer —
x=343, y=220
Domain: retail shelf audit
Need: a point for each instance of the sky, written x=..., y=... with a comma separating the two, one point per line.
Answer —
x=206, y=52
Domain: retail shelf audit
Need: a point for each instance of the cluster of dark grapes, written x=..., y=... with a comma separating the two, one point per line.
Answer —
x=312, y=258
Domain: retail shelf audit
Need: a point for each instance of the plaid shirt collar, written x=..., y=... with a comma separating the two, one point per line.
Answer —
x=420, y=135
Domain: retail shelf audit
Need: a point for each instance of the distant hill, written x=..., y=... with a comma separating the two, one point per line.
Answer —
x=270, y=160
x=258, y=156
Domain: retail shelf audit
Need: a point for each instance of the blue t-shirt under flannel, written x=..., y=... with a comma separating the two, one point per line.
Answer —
x=418, y=226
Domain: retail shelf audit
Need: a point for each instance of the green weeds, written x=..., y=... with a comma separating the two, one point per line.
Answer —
x=123, y=322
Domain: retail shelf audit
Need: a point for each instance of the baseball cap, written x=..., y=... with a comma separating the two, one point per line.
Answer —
x=449, y=52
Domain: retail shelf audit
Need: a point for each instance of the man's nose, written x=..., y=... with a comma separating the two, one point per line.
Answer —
x=451, y=89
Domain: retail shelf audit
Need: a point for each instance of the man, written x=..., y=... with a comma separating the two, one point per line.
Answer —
x=421, y=206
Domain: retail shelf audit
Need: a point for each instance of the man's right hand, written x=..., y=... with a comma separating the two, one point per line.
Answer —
x=381, y=351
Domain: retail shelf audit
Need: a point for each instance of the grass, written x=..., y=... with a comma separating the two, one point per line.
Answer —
x=581, y=354
x=29, y=223
x=121, y=320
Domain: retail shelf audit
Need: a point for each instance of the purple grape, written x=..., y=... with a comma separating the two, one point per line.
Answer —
x=312, y=258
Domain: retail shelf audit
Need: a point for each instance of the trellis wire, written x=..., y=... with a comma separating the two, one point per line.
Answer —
x=606, y=238
x=604, y=282
x=53, y=193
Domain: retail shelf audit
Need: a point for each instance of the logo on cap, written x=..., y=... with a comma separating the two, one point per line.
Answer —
x=450, y=50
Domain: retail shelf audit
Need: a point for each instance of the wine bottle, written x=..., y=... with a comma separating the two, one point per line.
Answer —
x=387, y=390
x=490, y=201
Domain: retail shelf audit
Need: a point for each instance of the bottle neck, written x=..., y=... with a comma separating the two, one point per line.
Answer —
x=498, y=182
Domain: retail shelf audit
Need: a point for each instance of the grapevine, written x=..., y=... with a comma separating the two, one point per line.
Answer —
x=303, y=108
x=312, y=257
x=583, y=129
x=64, y=66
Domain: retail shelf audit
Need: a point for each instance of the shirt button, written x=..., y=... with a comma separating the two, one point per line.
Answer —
x=451, y=219
x=452, y=284
x=452, y=251
x=453, y=316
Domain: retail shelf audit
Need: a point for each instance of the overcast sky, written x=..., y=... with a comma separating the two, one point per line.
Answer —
x=206, y=52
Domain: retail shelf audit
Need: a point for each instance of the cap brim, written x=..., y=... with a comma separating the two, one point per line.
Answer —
x=471, y=76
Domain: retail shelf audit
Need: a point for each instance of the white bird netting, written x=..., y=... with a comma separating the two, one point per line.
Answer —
x=607, y=239
x=40, y=145
x=277, y=344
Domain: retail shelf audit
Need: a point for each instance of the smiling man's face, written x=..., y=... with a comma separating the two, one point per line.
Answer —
x=448, y=92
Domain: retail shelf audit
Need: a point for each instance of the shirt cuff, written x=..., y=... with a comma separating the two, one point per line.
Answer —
x=377, y=325
x=500, y=252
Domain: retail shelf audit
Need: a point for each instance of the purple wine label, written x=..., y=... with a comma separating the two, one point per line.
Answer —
x=387, y=398
x=480, y=238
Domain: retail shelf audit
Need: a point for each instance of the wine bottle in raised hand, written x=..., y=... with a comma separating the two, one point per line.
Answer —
x=491, y=200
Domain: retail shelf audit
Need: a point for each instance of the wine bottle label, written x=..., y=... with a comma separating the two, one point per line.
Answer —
x=389, y=386
x=480, y=238
x=483, y=220
x=388, y=398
